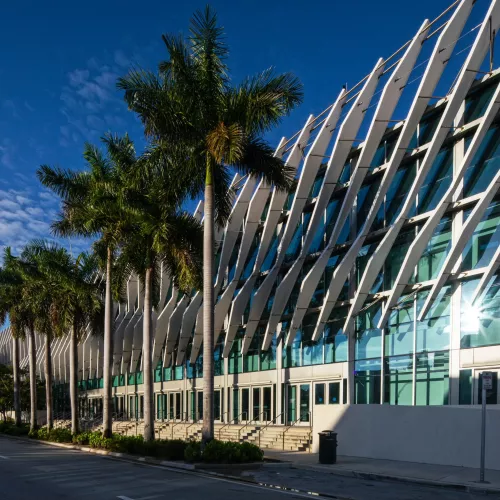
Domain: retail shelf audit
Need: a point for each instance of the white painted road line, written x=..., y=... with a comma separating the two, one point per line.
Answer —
x=5, y=458
x=124, y=498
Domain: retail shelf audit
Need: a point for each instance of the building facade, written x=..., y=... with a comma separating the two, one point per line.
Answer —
x=374, y=281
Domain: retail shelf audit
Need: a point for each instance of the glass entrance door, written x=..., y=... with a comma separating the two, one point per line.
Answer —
x=305, y=390
x=245, y=403
x=256, y=404
x=266, y=404
x=175, y=406
x=291, y=407
x=493, y=395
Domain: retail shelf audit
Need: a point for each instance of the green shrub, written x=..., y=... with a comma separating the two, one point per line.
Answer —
x=82, y=438
x=222, y=452
x=192, y=453
x=60, y=436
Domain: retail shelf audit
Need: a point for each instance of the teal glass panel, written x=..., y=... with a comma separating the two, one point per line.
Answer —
x=251, y=358
x=312, y=351
x=384, y=151
x=484, y=165
x=252, y=257
x=218, y=358
x=272, y=252
x=367, y=375
x=140, y=378
x=268, y=358
x=362, y=259
x=435, y=254
x=433, y=332
x=436, y=182
x=365, y=198
x=396, y=196
x=465, y=381
x=477, y=102
x=432, y=378
x=131, y=379
x=480, y=322
x=295, y=246
x=398, y=380
x=292, y=355
x=235, y=362
x=289, y=200
x=399, y=332
x=481, y=248
x=316, y=187
x=167, y=374
x=428, y=126
x=395, y=258
x=368, y=336
x=335, y=338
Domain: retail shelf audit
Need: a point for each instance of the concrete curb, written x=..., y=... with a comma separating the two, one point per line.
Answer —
x=204, y=469
x=373, y=476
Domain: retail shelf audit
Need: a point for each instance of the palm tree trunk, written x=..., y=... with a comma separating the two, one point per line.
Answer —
x=33, y=388
x=208, y=309
x=48, y=382
x=73, y=379
x=147, y=349
x=107, y=417
x=15, y=370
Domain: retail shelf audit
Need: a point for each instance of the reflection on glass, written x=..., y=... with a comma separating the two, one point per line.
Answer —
x=480, y=322
x=399, y=332
x=481, y=248
x=432, y=378
x=436, y=182
x=398, y=382
x=433, y=332
x=435, y=253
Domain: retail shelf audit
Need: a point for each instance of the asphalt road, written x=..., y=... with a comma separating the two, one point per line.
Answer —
x=35, y=471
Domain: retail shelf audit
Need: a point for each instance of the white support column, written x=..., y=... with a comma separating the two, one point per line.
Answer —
x=456, y=251
x=437, y=62
x=462, y=86
x=343, y=144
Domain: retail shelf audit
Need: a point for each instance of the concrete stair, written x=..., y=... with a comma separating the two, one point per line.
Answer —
x=279, y=437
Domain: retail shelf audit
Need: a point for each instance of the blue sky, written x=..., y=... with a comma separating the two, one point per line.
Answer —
x=60, y=61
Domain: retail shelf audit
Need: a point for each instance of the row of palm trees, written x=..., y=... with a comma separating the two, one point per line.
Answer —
x=200, y=128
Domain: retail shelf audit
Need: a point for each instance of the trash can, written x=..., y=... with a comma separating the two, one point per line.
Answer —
x=327, y=447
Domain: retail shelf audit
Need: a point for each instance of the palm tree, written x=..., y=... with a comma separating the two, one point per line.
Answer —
x=162, y=235
x=216, y=125
x=41, y=262
x=15, y=291
x=92, y=206
x=79, y=309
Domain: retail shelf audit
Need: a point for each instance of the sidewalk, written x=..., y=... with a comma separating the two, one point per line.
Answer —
x=366, y=468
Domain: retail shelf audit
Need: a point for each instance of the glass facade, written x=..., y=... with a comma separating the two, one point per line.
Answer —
x=406, y=360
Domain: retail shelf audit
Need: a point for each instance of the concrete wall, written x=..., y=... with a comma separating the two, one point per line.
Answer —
x=445, y=435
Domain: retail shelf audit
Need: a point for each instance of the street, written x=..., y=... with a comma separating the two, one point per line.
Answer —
x=31, y=470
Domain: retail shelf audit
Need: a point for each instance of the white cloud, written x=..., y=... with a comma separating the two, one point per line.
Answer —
x=121, y=59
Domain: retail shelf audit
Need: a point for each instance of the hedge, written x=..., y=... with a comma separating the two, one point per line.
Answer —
x=165, y=449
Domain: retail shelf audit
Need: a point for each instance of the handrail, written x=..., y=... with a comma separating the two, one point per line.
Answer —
x=189, y=426
x=233, y=420
x=290, y=426
x=175, y=423
x=256, y=419
x=272, y=421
